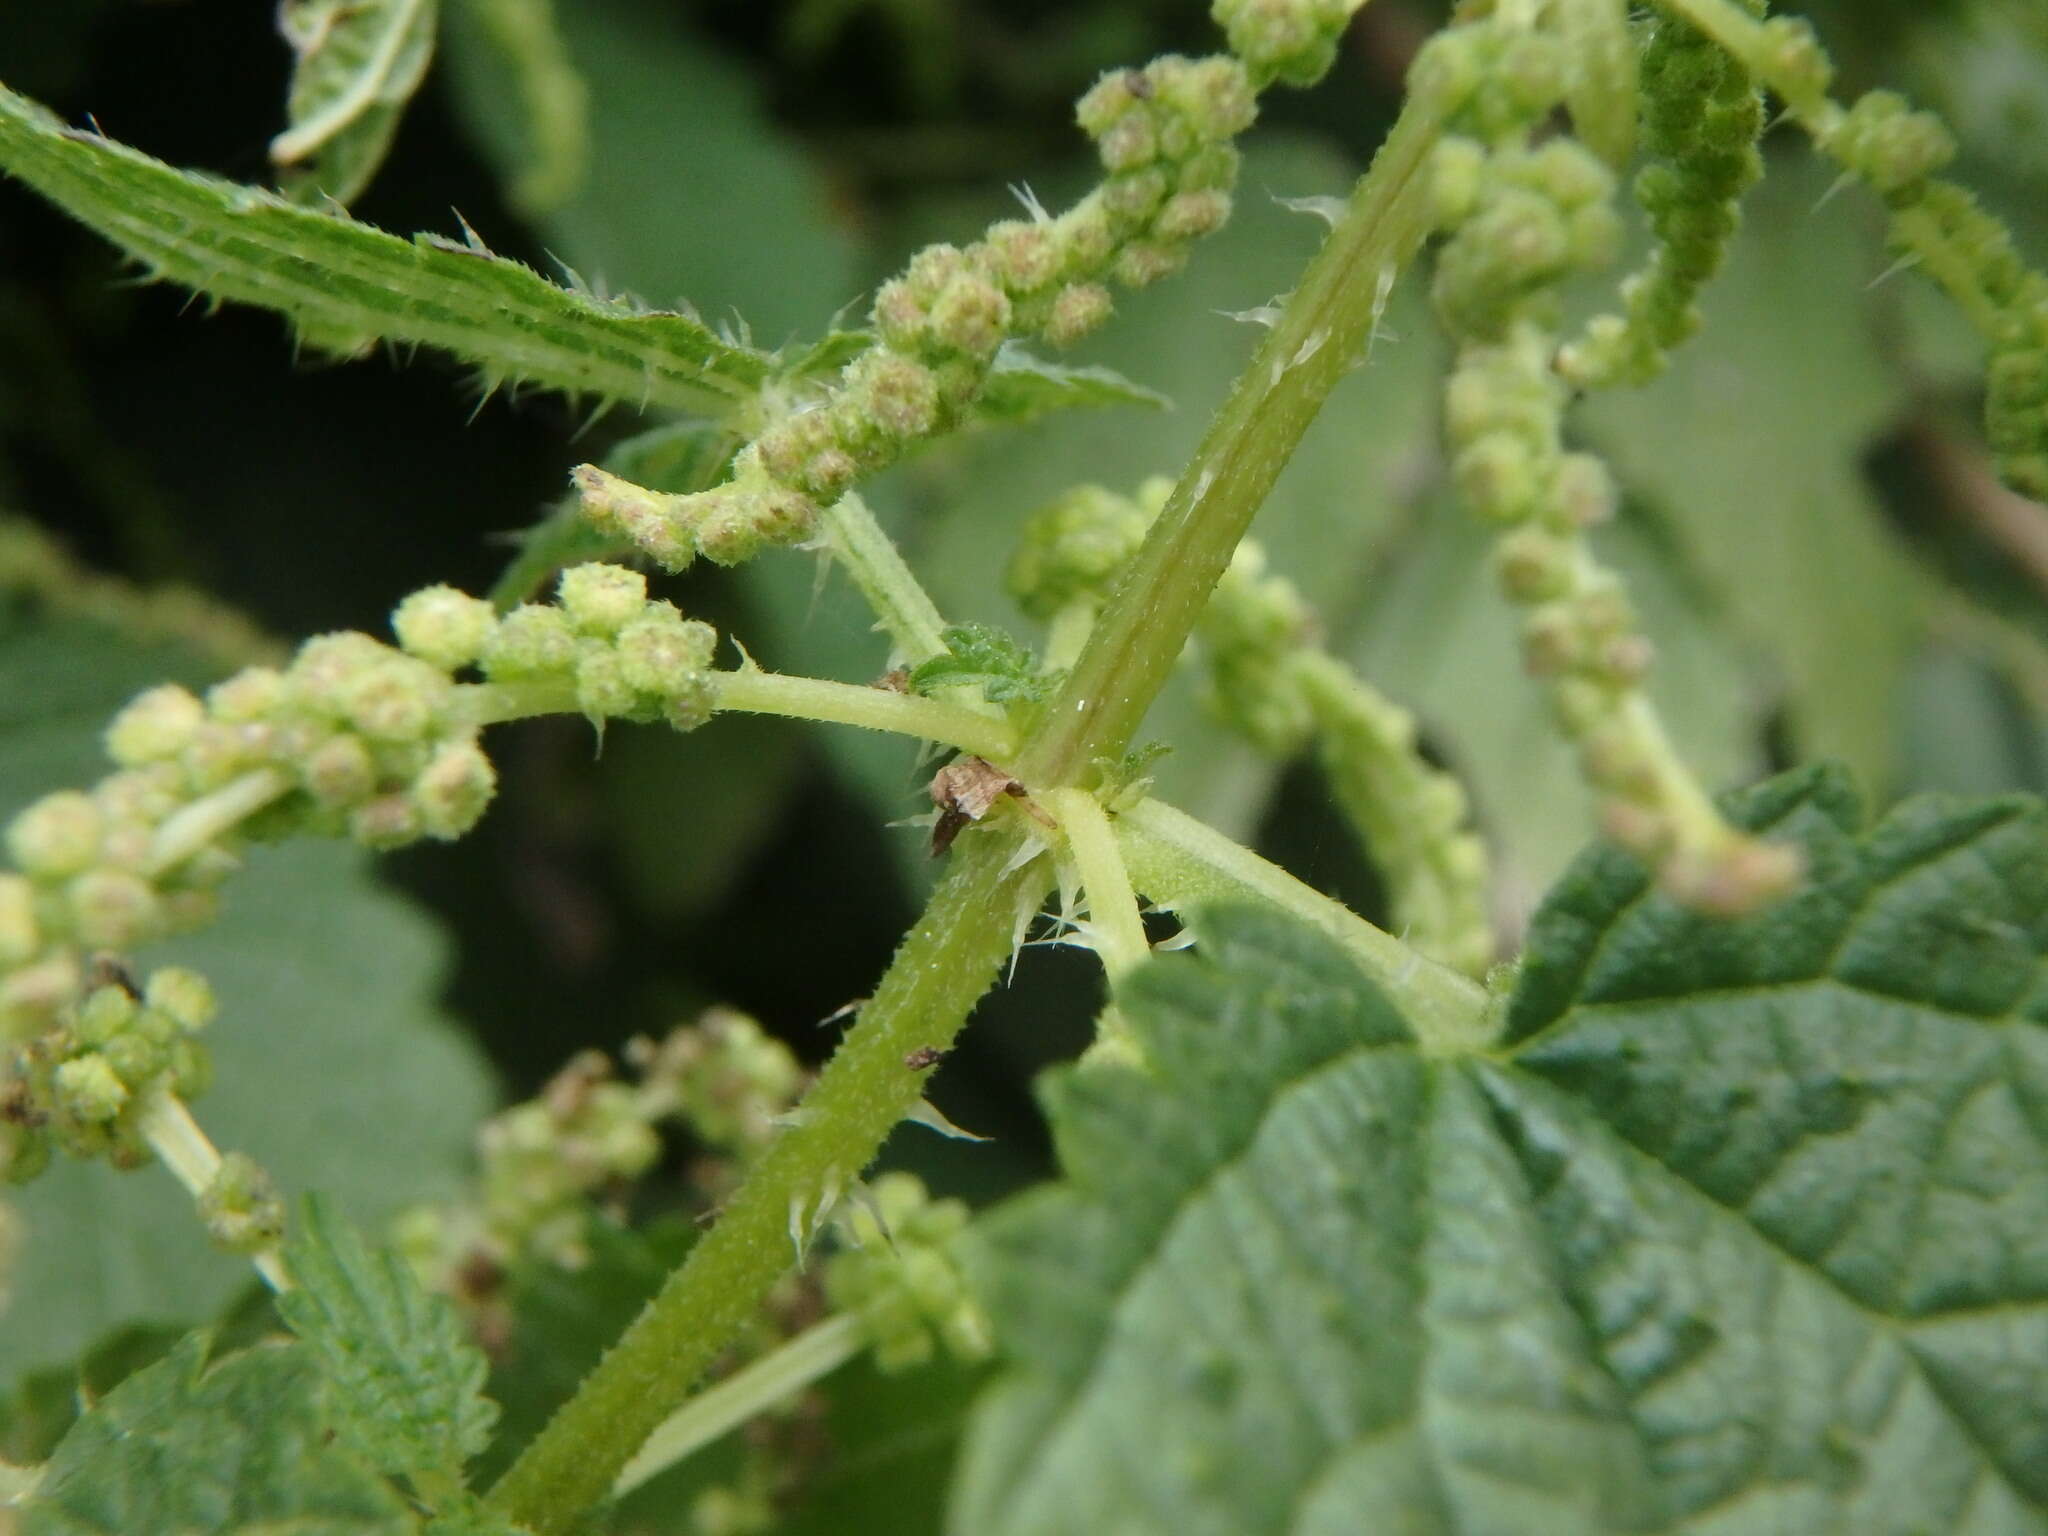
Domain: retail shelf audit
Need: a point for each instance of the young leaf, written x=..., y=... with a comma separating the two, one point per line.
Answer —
x=358, y=65
x=238, y=1447
x=345, y=286
x=1740, y=1231
x=1022, y=387
x=403, y=1376
x=982, y=656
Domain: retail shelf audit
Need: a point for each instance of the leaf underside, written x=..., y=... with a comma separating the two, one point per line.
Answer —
x=1744, y=1230
x=359, y=63
x=346, y=286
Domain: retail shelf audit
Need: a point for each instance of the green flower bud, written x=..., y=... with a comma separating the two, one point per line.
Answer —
x=254, y=693
x=787, y=448
x=340, y=773
x=1294, y=41
x=1582, y=492
x=453, y=790
x=183, y=996
x=31, y=997
x=1026, y=256
x=56, y=836
x=971, y=315
x=1534, y=566
x=1073, y=549
x=896, y=393
x=532, y=641
x=20, y=935
x=88, y=1090
x=189, y=1067
x=1457, y=175
x=396, y=699
x=112, y=909
x=652, y=521
x=662, y=652
x=1889, y=145
x=1190, y=215
x=602, y=690
x=1500, y=477
x=735, y=521
x=601, y=599
x=389, y=821
x=1450, y=68
x=1128, y=144
x=219, y=753
x=105, y=1013
x=932, y=269
x=241, y=1206
x=444, y=627
x=1142, y=263
x=1213, y=96
x=154, y=726
x=1110, y=99
x=135, y=1060
x=327, y=666
x=1131, y=197
x=1078, y=310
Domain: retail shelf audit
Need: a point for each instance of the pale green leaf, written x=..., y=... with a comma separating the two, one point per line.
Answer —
x=334, y=1068
x=1753, y=445
x=180, y=1448
x=1741, y=1229
x=345, y=286
x=1022, y=387
x=403, y=1375
x=359, y=62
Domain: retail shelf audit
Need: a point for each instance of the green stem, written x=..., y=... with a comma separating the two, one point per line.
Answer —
x=944, y=966
x=1178, y=860
x=952, y=954
x=905, y=609
x=774, y=1378
x=777, y=693
x=1112, y=904
x=1320, y=332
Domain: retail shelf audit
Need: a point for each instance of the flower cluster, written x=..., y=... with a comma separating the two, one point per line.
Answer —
x=899, y=1274
x=1518, y=221
x=85, y=1086
x=542, y=1161
x=1703, y=114
x=1164, y=136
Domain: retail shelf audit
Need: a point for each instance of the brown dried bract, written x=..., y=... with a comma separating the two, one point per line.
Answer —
x=924, y=1056
x=895, y=680
x=963, y=791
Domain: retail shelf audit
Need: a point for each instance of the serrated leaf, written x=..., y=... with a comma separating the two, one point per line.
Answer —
x=242, y=1446
x=345, y=286
x=1023, y=387
x=1739, y=1231
x=402, y=1373
x=982, y=656
x=330, y=1071
x=359, y=63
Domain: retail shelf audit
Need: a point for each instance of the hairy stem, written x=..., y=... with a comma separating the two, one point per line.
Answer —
x=1177, y=860
x=906, y=612
x=775, y=693
x=1319, y=334
x=1112, y=904
x=942, y=969
x=774, y=1378
x=952, y=954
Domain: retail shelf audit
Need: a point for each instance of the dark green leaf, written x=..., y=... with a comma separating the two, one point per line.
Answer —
x=1742, y=1232
x=1023, y=388
x=981, y=656
x=402, y=1373
x=346, y=286
x=239, y=1447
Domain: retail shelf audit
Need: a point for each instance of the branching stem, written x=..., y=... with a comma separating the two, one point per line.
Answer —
x=185, y=1149
x=902, y=606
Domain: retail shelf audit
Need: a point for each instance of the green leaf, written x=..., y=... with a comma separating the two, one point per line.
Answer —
x=239, y=1447
x=359, y=62
x=1022, y=387
x=981, y=656
x=1739, y=1230
x=1753, y=446
x=346, y=286
x=402, y=1372
x=335, y=1069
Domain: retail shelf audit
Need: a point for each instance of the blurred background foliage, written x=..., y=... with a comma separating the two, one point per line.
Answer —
x=1822, y=558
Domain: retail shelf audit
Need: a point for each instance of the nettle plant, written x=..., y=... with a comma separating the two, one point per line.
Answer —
x=1723, y=1205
